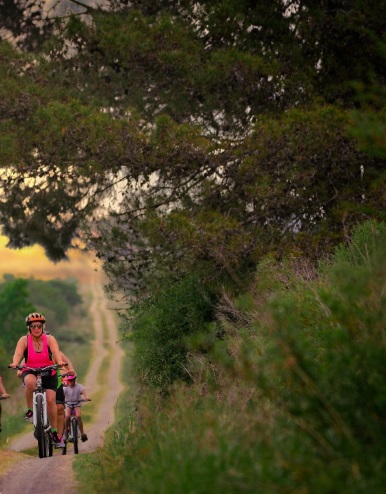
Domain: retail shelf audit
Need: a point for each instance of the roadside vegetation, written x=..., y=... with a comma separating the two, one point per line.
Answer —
x=283, y=389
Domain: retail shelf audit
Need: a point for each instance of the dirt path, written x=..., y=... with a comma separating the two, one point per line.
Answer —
x=30, y=475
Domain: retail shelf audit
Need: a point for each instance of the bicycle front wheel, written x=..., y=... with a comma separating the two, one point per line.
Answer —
x=75, y=435
x=49, y=444
x=64, y=450
x=40, y=434
x=42, y=431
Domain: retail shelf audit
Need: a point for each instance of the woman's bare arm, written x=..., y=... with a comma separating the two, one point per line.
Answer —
x=54, y=347
x=70, y=367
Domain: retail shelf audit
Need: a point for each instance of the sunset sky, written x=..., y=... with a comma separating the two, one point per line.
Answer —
x=32, y=262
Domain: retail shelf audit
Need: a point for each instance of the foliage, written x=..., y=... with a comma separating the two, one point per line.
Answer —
x=325, y=370
x=177, y=124
x=15, y=305
x=283, y=403
x=364, y=241
x=57, y=299
x=370, y=118
x=160, y=326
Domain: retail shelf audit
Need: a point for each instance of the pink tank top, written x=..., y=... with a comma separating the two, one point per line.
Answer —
x=38, y=359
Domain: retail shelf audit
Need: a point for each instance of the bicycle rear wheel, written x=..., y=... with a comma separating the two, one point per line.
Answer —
x=75, y=435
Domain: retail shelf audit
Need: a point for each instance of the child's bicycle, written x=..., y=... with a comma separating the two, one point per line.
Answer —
x=73, y=433
x=42, y=427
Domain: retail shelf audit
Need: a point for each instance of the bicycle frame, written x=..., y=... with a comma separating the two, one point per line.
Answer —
x=39, y=391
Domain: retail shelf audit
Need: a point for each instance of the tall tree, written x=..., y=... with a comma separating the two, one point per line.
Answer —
x=212, y=132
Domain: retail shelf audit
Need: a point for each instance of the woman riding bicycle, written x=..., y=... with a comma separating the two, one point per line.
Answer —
x=39, y=350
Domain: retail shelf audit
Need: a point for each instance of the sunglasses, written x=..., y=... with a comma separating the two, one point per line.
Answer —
x=38, y=326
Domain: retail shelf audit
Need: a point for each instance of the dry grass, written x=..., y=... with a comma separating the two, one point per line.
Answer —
x=8, y=459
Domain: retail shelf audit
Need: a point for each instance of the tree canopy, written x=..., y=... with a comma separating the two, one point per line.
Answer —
x=177, y=134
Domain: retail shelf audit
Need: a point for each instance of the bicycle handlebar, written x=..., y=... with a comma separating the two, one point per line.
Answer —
x=74, y=403
x=37, y=370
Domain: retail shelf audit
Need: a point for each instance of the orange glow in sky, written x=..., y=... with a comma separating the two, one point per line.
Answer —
x=32, y=262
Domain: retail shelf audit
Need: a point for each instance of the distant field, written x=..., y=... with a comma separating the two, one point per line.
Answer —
x=31, y=261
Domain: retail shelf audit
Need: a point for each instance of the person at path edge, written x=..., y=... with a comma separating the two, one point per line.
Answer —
x=4, y=394
x=39, y=350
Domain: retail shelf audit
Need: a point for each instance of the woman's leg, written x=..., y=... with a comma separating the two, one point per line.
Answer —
x=30, y=385
x=60, y=417
x=51, y=408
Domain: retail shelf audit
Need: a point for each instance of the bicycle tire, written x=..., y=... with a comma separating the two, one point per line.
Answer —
x=75, y=435
x=50, y=444
x=40, y=434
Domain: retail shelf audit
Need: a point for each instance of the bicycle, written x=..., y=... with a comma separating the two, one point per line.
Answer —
x=74, y=427
x=42, y=427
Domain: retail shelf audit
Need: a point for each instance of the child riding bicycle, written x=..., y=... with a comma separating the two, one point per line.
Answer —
x=74, y=392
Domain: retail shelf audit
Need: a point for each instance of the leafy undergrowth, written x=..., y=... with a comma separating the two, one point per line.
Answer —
x=290, y=399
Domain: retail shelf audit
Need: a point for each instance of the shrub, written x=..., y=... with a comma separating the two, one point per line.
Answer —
x=325, y=373
x=161, y=325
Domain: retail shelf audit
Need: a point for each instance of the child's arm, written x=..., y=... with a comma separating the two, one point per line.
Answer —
x=83, y=392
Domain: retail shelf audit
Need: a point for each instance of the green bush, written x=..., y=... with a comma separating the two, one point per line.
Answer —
x=325, y=373
x=14, y=307
x=365, y=239
x=161, y=326
x=297, y=401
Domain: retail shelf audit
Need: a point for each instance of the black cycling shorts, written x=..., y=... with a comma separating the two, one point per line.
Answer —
x=60, y=395
x=48, y=382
